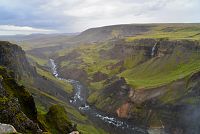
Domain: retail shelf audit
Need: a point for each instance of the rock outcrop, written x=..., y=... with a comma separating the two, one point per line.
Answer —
x=13, y=57
x=57, y=121
x=7, y=128
x=17, y=106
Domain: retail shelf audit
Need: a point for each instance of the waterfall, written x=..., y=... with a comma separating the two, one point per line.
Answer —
x=153, y=50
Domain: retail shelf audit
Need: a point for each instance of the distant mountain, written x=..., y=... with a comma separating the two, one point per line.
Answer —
x=33, y=36
x=13, y=57
x=39, y=40
x=112, y=32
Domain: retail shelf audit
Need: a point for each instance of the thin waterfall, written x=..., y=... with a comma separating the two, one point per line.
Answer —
x=153, y=50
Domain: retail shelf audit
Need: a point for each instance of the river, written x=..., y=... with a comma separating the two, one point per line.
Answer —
x=106, y=121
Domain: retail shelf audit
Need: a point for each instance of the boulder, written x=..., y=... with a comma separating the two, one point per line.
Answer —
x=7, y=128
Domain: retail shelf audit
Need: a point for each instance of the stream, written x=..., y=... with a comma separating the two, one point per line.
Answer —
x=108, y=122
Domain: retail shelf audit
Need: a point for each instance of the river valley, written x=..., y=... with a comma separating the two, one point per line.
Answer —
x=110, y=123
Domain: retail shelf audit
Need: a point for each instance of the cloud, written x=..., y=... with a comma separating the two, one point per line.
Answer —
x=14, y=30
x=78, y=15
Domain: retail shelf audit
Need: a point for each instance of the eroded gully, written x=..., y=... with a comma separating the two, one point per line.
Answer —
x=110, y=123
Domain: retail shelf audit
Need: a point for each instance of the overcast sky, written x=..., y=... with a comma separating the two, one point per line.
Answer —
x=52, y=16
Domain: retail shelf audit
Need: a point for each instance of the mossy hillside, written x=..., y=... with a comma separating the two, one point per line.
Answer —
x=162, y=70
x=95, y=89
x=89, y=129
x=37, y=60
x=14, y=90
x=13, y=57
x=57, y=119
x=92, y=62
x=171, y=31
x=17, y=105
x=40, y=41
x=66, y=86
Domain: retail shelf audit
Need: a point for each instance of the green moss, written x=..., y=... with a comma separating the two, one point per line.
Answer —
x=160, y=71
x=3, y=101
x=132, y=61
x=20, y=117
x=14, y=90
x=38, y=60
x=96, y=85
x=78, y=116
x=41, y=109
x=176, y=31
x=66, y=86
x=64, y=63
x=89, y=129
x=58, y=119
x=93, y=97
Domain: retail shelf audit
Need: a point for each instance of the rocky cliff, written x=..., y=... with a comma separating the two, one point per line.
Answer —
x=13, y=57
x=17, y=105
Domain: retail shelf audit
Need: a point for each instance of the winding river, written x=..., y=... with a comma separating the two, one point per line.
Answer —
x=109, y=123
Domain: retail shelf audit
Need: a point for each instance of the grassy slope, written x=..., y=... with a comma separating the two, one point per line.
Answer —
x=92, y=62
x=161, y=71
x=156, y=72
x=171, y=31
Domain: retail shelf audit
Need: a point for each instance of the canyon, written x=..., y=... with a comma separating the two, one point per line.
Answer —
x=114, y=79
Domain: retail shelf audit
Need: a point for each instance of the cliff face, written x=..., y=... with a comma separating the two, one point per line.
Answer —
x=17, y=105
x=177, y=107
x=13, y=57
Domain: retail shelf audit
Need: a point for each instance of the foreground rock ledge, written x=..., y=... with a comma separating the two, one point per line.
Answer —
x=74, y=132
x=7, y=128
